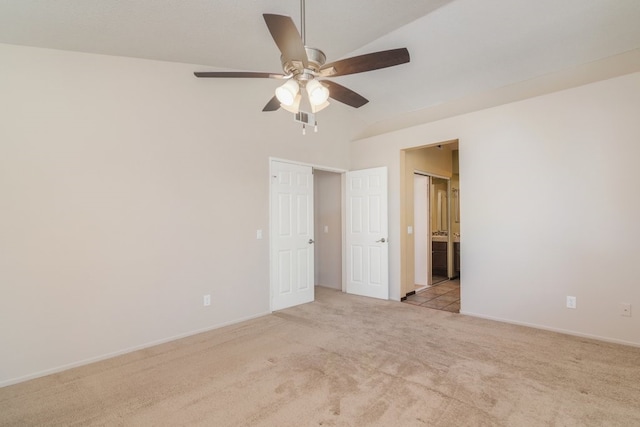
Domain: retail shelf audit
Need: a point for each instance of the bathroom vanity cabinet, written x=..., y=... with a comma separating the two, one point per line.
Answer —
x=439, y=259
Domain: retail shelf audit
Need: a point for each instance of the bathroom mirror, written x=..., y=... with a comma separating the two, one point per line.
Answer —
x=439, y=203
x=442, y=210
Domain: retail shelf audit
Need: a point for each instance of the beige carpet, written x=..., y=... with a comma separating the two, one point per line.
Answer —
x=347, y=361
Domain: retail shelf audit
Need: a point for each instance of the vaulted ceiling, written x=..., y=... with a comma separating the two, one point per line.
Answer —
x=465, y=54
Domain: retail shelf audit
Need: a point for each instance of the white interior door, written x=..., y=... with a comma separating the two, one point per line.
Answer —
x=291, y=235
x=421, y=235
x=367, y=233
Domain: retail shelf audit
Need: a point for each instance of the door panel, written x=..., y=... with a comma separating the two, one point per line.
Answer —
x=291, y=235
x=367, y=233
x=421, y=233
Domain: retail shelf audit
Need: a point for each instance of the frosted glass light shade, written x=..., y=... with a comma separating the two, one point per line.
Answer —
x=318, y=94
x=295, y=105
x=286, y=93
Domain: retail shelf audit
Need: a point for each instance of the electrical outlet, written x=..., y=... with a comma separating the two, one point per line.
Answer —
x=571, y=302
x=206, y=300
x=625, y=310
x=259, y=234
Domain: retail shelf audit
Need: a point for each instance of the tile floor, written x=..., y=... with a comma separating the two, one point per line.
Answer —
x=442, y=296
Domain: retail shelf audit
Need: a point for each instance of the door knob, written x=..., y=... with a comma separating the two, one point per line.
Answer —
x=310, y=241
x=381, y=240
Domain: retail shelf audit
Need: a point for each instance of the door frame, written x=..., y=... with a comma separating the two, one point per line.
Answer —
x=413, y=158
x=313, y=166
x=450, y=271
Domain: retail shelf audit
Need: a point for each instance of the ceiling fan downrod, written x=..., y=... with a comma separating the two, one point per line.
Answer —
x=303, y=31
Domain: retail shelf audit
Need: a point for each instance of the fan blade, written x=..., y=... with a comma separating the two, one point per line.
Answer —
x=344, y=95
x=272, y=105
x=239, y=74
x=368, y=62
x=287, y=38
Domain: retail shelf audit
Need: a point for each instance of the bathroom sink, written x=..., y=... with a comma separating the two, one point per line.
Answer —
x=444, y=238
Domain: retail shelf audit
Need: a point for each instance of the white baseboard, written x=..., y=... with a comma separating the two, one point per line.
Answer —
x=78, y=363
x=552, y=329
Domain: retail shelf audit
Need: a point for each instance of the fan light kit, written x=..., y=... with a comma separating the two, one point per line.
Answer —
x=288, y=92
x=303, y=66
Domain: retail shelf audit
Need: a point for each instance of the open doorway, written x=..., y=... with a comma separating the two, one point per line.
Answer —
x=344, y=215
x=351, y=231
x=440, y=221
x=298, y=251
x=431, y=228
x=328, y=228
x=430, y=250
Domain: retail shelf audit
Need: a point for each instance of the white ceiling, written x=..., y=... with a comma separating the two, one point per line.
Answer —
x=460, y=49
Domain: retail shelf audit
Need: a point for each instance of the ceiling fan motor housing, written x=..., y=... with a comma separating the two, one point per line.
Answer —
x=315, y=60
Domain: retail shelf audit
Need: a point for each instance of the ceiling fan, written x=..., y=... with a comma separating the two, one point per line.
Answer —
x=304, y=67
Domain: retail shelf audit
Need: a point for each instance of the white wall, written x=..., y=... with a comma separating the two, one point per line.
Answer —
x=550, y=207
x=128, y=190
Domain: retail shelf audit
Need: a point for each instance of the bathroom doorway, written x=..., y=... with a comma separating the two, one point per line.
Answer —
x=431, y=229
x=440, y=221
x=430, y=252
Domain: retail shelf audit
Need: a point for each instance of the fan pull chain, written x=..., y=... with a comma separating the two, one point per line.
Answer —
x=304, y=128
